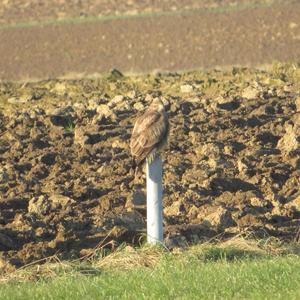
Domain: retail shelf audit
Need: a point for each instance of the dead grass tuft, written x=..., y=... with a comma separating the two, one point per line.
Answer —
x=45, y=268
x=128, y=258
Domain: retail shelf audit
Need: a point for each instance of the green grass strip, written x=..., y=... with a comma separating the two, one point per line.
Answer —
x=184, y=277
x=94, y=19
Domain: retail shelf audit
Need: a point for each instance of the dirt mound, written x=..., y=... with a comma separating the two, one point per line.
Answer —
x=66, y=183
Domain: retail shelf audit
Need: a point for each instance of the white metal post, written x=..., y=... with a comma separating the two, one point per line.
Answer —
x=154, y=201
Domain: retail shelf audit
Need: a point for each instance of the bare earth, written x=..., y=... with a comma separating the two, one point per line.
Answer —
x=245, y=35
x=66, y=184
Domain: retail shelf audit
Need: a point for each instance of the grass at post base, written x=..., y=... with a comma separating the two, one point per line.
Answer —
x=210, y=273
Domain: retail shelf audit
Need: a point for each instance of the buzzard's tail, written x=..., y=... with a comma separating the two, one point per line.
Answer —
x=138, y=171
x=138, y=162
x=137, y=166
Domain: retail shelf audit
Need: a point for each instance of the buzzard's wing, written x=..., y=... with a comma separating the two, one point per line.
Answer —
x=148, y=131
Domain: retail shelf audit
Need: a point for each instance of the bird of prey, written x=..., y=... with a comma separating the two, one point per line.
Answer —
x=149, y=133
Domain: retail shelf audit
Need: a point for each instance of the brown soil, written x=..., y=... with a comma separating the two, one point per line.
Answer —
x=232, y=165
x=184, y=41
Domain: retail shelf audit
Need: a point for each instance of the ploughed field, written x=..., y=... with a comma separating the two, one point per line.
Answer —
x=231, y=167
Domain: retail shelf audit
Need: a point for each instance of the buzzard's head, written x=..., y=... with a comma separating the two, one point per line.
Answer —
x=157, y=105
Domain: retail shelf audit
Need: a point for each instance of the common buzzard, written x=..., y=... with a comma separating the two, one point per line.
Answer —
x=149, y=133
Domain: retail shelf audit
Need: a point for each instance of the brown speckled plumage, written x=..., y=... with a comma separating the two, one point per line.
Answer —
x=149, y=132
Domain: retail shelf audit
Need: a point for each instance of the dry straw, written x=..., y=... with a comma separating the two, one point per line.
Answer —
x=127, y=257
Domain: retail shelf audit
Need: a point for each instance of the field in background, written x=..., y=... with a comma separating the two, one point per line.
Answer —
x=20, y=11
x=42, y=41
